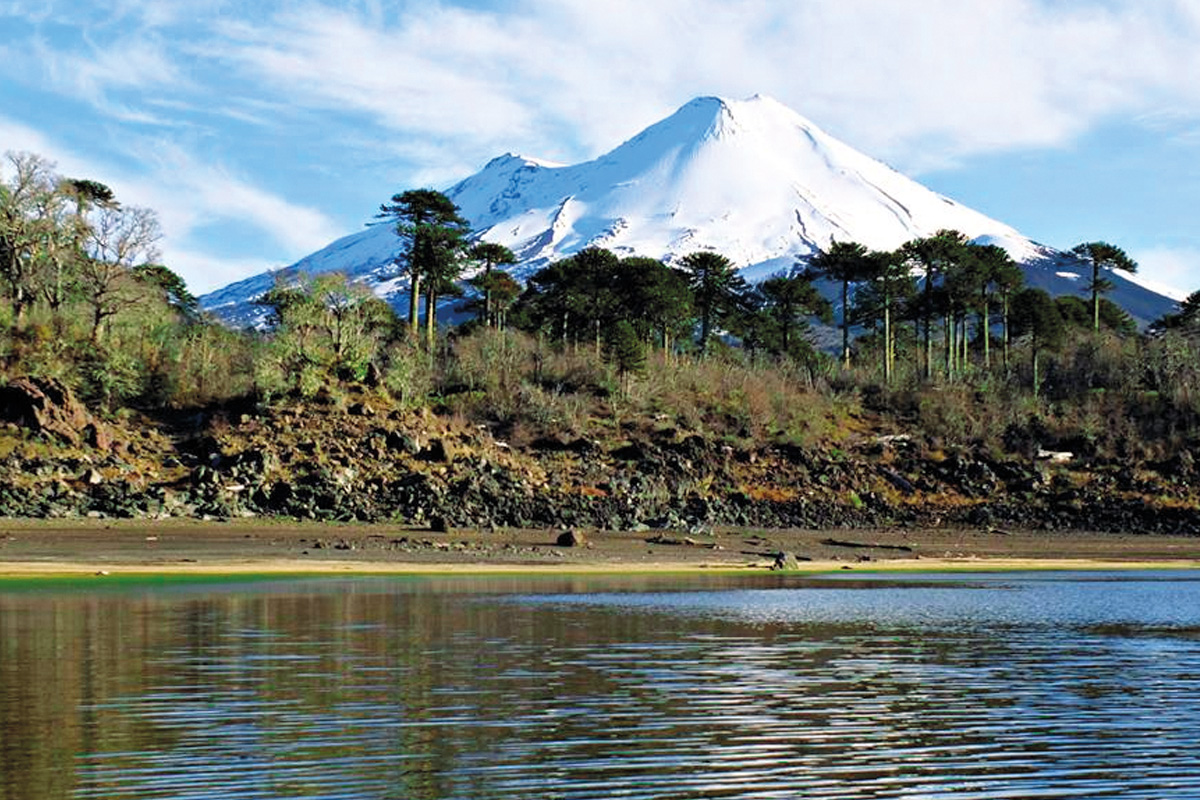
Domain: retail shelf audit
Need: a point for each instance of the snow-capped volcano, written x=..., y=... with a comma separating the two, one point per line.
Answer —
x=751, y=179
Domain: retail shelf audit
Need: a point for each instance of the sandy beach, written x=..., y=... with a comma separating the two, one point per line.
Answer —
x=97, y=547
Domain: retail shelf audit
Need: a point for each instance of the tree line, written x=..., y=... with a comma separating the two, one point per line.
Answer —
x=83, y=298
x=944, y=300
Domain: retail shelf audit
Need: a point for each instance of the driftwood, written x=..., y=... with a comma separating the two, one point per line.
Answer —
x=903, y=548
x=686, y=541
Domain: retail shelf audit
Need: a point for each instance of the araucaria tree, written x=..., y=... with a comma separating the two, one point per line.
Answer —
x=787, y=303
x=936, y=256
x=585, y=295
x=1036, y=315
x=654, y=298
x=1101, y=256
x=1000, y=277
x=845, y=263
x=888, y=286
x=625, y=351
x=433, y=239
x=716, y=287
x=489, y=255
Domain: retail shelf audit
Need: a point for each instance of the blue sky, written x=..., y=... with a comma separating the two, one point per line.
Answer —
x=260, y=131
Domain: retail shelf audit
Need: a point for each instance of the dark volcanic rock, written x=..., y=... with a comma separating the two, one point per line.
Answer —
x=398, y=442
x=439, y=451
x=572, y=538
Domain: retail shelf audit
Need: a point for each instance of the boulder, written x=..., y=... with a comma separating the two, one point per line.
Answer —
x=785, y=562
x=572, y=538
x=439, y=451
x=401, y=443
x=43, y=405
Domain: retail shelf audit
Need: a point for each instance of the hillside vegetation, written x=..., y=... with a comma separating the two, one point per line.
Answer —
x=612, y=392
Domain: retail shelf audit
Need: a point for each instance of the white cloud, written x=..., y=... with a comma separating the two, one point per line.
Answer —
x=205, y=273
x=21, y=138
x=897, y=79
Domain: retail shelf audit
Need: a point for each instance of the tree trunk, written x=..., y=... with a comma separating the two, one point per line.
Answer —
x=1036, y=380
x=928, y=347
x=964, y=341
x=487, y=296
x=414, y=301
x=97, y=324
x=947, y=357
x=887, y=338
x=430, y=316
x=987, y=335
x=1004, y=311
x=845, y=325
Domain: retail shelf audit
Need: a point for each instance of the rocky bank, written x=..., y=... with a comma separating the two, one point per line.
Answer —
x=368, y=460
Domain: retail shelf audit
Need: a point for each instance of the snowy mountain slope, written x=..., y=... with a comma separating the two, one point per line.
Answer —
x=750, y=179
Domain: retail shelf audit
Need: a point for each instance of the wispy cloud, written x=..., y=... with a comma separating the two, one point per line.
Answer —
x=894, y=78
x=189, y=196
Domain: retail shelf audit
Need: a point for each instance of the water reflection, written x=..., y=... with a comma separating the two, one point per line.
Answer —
x=977, y=687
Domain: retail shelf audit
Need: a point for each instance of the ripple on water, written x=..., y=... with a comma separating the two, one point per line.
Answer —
x=1047, y=687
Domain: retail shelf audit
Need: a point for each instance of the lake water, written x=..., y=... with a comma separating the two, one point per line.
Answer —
x=966, y=686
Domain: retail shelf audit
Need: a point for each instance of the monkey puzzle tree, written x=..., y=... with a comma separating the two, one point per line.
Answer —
x=846, y=263
x=1186, y=320
x=1100, y=256
x=716, y=288
x=888, y=286
x=999, y=276
x=171, y=288
x=574, y=298
x=433, y=236
x=488, y=255
x=788, y=302
x=500, y=290
x=625, y=350
x=654, y=297
x=1036, y=315
x=936, y=256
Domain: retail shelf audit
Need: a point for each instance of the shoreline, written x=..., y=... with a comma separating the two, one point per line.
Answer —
x=306, y=569
x=73, y=549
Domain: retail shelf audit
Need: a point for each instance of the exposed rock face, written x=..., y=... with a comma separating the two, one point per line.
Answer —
x=318, y=462
x=44, y=405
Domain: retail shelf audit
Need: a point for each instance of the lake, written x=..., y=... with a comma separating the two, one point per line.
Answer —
x=1030, y=685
